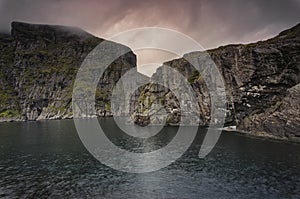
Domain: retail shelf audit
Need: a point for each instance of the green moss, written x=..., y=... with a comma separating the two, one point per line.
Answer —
x=50, y=70
x=9, y=114
x=108, y=107
x=194, y=77
x=170, y=119
x=101, y=94
x=34, y=52
x=55, y=109
x=7, y=97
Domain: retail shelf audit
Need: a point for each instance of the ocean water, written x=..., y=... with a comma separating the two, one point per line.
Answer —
x=46, y=159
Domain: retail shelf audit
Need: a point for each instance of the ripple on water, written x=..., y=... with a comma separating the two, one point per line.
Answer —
x=58, y=165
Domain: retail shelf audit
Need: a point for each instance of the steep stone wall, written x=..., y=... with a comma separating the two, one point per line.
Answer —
x=39, y=64
x=257, y=78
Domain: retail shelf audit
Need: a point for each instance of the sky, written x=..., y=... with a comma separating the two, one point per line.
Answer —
x=212, y=23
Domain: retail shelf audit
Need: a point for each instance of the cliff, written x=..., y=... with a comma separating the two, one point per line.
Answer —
x=38, y=66
x=261, y=81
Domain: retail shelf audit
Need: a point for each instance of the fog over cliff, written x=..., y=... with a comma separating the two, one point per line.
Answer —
x=211, y=22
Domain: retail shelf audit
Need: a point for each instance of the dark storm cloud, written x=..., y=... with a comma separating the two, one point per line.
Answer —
x=211, y=22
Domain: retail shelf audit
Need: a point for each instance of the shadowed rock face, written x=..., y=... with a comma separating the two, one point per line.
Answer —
x=281, y=119
x=38, y=66
x=258, y=78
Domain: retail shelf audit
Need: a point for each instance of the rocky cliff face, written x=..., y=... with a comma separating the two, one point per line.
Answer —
x=262, y=84
x=38, y=65
x=280, y=120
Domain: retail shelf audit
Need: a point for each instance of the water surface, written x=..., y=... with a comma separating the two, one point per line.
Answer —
x=47, y=159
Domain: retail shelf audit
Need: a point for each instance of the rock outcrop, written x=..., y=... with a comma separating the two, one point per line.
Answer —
x=280, y=120
x=260, y=81
x=38, y=66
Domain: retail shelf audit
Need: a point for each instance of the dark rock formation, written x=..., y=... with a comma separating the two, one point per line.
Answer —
x=258, y=78
x=280, y=120
x=38, y=65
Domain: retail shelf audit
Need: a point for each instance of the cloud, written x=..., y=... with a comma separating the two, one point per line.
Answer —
x=211, y=22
